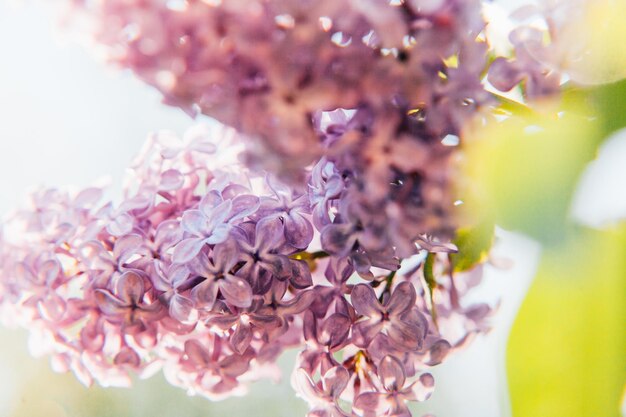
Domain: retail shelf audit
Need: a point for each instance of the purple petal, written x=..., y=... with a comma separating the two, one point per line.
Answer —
x=422, y=389
x=225, y=255
x=224, y=321
x=364, y=301
x=138, y=202
x=109, y=304
x=306, y=387
x=171, y=180
x=127, y=356
x=178, y=275
x=236, y=291
x=126, y=246
x=309, y=327
x=210, y=200
x=366, y=331
x=196, y=223
x=88, y=197
x=298, y=230
x=121, y=225
x=339, y=270
x=219, y=234
x=402, y=299
x=49, y=271
x=335, y=381
x=202, y=266
x=52, y=308
x=130, y=288
x=334, y=330
x=504, y=75
x=197, y=353
x=362, y=265
x=92, y=337
x=244, y=206
x=266, y=322
x=279, y=265
x=404, y=336
x=234, y=189
x=371, y=404
x=276, y=186
x=334, y=186
x=181, y=308
x=167, y=234
x=300, y=274
x=391, y=373
x=220, y=214
x=438, y=352
x=300, y=303
x=234, y=365
x=201, y=144
x=205, y=293
x=160, y=279
x=187, y=249
x=269, y=232
x=241, y=338
x=338, y=239
x=408, y=331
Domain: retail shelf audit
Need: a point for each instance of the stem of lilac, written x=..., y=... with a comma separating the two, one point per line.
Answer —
x=388, y=282
x=217, y=349
x=310, y=257
x=513, y=107
x=305, y=256
x=454, y=293
x=429, y=277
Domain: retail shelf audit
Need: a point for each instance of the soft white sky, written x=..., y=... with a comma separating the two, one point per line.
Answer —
x=65, y=118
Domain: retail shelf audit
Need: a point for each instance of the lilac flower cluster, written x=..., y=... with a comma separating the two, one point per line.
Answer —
x=375, y=92
x=209, y=271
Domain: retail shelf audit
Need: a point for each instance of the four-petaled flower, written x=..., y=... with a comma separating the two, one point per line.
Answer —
x=217, y=273
x=127, y=305
x=391, y=401
x=211, y=222
x=324, y=396
x=398, y=317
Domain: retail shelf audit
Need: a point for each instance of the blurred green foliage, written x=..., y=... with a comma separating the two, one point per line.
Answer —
x=525, y=169
x=473, y=244
x=567, y=350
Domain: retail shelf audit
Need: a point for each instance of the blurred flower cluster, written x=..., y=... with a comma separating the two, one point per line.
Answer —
x=209, y=271
x=381, y=90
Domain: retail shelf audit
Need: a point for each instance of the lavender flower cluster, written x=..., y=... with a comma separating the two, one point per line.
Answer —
x=379, y=89
x=209, y=271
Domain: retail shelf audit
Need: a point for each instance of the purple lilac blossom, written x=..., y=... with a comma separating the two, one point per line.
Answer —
x=107, y=302
x=365, y=91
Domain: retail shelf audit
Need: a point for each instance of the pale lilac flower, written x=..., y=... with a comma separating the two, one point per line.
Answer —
x=126, y=305
x=244, y=322
x=324, y=396
x=392, y=400
x=292, y=209
x=203, y=276
x=172, y=280
x=216, y=274
x=398, y=317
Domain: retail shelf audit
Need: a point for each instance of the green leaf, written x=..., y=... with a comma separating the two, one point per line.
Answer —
x=429, y=277
x=609, y=101
x=524, y=170
x=473, y=244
